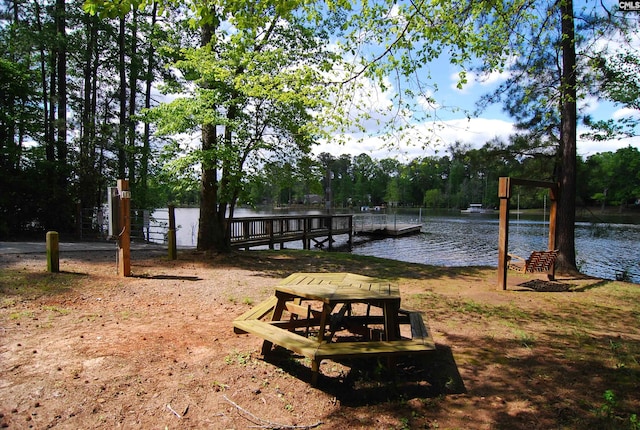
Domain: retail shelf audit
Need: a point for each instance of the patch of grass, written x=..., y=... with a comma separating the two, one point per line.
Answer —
x=508, y=313
x=525, y=339
x=56, y=310
x=31, y=285
x=609, y=416
x=623, y=353
x=238, y=357
x=21, y=314
x=8, y=302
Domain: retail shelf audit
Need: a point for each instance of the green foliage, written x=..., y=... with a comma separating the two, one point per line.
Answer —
x=609, y=414
x=274, y=78
x=613, y=178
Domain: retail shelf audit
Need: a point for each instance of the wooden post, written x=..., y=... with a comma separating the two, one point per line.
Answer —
x=124, y=237
x=171, y=238
x=270, y=231
x=306, y=242
x=504, y=193
x=53, y=254
x=553, y=209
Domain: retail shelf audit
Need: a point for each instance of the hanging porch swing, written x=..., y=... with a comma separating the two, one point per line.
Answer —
x=538, y=261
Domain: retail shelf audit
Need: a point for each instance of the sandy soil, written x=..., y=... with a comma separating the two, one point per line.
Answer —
x=86, y=348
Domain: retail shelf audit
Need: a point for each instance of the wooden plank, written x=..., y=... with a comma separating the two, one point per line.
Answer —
x=316, y=351
x=379, y=348
x=259, y=311
x=419, y=331
x=302, y=311
x=278, y=336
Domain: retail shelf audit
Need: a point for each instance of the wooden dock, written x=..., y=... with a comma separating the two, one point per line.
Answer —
x=382, y=225
x=390, y=230
x=316, y=229
x=313, y=230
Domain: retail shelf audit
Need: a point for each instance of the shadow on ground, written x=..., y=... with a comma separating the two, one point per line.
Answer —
x=370, y=381
x=283, y=263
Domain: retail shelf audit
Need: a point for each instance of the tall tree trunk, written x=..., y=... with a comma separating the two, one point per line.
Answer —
x=87, y=177
x=122, y=129
x=133, y=93
x=211, y=230
x=566, y=216
x=63, y=207
x=146, y=136
x=47, y=96
x=61, y=126
x=9, y=153
x=134, y=66
x=100, y=190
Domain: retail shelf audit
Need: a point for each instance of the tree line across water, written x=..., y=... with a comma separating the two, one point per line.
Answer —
x=463, y=176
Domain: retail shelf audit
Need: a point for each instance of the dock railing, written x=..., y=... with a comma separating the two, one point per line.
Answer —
x=369, y=222
x=256, y=231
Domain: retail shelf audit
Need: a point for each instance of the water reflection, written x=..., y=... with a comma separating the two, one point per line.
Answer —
x=602, y=250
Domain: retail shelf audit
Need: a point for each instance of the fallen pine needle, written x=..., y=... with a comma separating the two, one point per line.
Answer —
x=264, y=423
x=174, y=412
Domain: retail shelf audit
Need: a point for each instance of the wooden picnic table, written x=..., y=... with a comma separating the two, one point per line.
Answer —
x=309, y=309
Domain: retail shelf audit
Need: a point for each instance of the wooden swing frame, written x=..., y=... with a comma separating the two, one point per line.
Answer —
x=505, y=185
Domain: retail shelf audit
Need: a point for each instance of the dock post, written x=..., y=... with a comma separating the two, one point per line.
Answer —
x=306, y=242
x=270, y=233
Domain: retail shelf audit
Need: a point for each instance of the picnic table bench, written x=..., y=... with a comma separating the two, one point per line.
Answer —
x=308, y=310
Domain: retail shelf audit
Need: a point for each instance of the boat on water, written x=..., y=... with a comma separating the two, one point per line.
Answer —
x=476, y=208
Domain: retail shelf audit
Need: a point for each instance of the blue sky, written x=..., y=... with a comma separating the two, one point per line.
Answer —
x=452, y=126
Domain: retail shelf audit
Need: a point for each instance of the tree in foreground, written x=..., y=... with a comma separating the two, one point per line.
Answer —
x=535, y=41
x=250, y=88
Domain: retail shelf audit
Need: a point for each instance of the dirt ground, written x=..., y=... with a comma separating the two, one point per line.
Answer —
x=86, y=348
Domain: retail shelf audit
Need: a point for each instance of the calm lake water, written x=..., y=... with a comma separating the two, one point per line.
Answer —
x=451, y=239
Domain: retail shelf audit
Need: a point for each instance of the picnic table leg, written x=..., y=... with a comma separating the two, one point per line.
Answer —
x=324, y=316
x=315, y=371
x=391, y=328
x=277, y=315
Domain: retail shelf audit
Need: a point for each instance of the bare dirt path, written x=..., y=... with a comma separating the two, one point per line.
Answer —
x=88, y=349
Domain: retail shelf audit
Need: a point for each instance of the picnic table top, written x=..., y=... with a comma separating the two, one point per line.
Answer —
x=339, y=287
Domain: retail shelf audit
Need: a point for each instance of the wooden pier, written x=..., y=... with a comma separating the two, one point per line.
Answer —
x=318, y=230
x=382, y=225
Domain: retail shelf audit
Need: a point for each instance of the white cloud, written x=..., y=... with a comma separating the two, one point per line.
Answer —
x=589, y=147
x=425, y=139
x=625, y=112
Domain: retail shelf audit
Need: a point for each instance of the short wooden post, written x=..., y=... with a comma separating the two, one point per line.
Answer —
x=124, y=238
x=53, y=254
x=172, y=245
